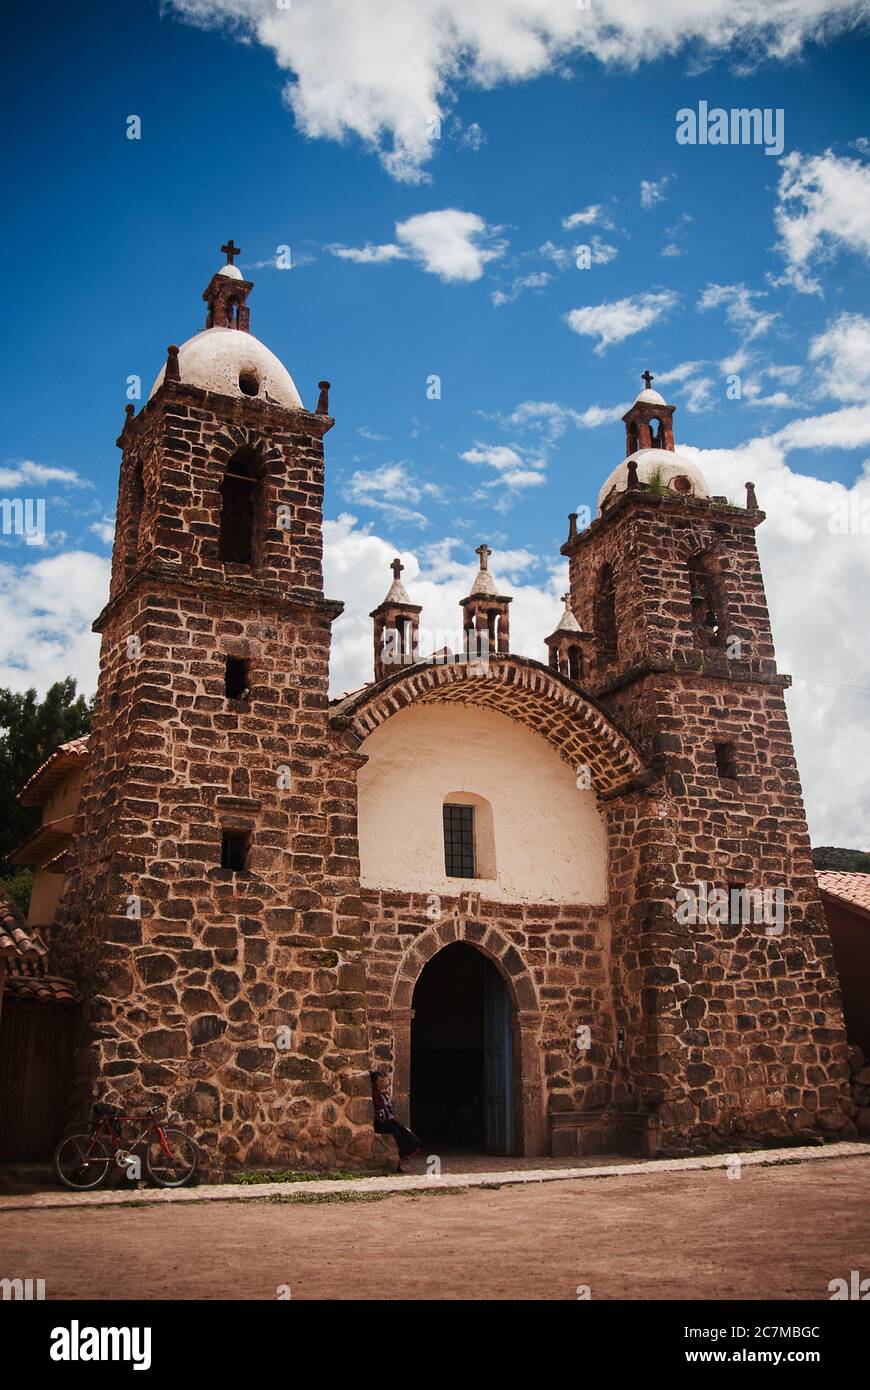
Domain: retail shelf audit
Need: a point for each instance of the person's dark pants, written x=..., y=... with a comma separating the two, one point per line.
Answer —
x=408, y=1143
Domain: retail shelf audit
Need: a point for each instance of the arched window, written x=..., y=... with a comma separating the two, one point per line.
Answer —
x=605, y=616
x=240, y=508
x=575, y=662
x=655, y=435
x=708, y=608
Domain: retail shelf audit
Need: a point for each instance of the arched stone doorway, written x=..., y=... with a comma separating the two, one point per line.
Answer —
x=521, y=1014
x=462, y=1072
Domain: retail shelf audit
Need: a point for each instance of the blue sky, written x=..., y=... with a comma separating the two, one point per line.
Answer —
x=737, y=261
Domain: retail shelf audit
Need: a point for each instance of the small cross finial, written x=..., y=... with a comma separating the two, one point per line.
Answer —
x=230, y=250
x=397, y=568
x=648, y=378
x=484, y=552
x=566, y=599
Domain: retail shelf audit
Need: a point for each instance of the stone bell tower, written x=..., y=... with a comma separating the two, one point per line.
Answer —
x=486, y=612
x=213, y=903
x=396, y=627
x=728, y=1000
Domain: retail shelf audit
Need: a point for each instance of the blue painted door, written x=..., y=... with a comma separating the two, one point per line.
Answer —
x=498, y=1068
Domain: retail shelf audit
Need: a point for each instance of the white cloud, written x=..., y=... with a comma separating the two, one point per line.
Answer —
x=824, y=207
x=470, y=137
x=842, y=352
x=652, y=191
x=46, y=611
x=615, y=321
x=389, y=489
x=104, y=529
x=677, y=234
x=698, y=394
x=386, y=71
x=602, y=252
x=451, y=244
x=369, y=254
x=514, y=473
x=740, y=311
x=536, y=280
x=594, y=213
x=552, y=419
x=697, y=388
x=818, y=584
x=25, y=472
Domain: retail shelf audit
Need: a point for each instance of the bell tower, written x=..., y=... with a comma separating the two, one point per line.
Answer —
x=486, y=612
x=731, y=1017
x=396, y=627
x=213, y=899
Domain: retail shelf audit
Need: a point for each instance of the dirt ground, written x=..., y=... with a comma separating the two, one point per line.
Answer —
x=778, y=1232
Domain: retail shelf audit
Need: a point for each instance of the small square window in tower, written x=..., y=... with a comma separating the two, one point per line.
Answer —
x=234, y=850
x=236, y=678
x=726, y=761
x=459, y=841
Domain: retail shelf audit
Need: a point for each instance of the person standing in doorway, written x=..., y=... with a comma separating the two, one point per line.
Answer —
x=386, y=1122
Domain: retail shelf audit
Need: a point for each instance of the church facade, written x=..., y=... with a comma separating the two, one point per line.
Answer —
x=566, y=906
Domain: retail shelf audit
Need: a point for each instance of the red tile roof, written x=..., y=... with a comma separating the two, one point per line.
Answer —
x=849, y=890
x=43, y=989
x=25, y=956
x=17, y=942
x=42, y=783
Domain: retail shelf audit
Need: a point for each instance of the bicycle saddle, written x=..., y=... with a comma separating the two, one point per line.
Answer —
x=102, y=1109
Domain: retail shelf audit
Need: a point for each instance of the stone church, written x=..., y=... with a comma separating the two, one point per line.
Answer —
x=566, y=906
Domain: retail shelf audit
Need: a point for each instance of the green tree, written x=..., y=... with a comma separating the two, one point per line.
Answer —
x=30, y=729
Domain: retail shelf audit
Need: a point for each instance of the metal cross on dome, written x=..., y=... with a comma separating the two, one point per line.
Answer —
x=648, y=378
x=484, y=552
x=231, y=250
x=397, y=568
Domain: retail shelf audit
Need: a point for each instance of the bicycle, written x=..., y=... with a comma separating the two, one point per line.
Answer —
x=82, y=1160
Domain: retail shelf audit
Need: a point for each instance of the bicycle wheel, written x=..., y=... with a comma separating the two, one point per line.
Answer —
x=175, y=1168
x=81, y=1161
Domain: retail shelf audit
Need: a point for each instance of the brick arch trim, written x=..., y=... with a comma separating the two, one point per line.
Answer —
x=488, y=940
x=232, y=438
x=550, y=704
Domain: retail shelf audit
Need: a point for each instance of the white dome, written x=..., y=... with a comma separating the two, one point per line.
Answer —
x=650, y=461
x=215, y=359
x=232, y=271
x=648, y=397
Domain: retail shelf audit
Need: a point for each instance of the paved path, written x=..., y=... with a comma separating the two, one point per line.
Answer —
x=415, y=1182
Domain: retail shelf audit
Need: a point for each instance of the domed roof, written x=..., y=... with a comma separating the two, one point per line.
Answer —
x=220, y=359
x=661, y=462
x=231, y=271
x=648, y=397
